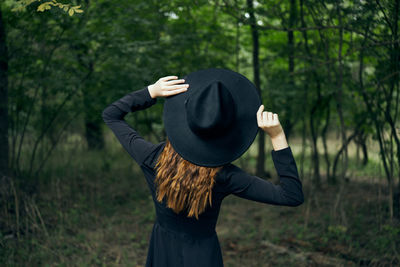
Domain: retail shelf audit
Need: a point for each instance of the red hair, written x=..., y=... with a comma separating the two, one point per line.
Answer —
x=182, y=183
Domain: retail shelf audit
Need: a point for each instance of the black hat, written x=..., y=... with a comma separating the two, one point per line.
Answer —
x=214, y=122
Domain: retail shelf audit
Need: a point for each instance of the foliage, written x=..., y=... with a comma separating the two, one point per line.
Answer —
x=21, y=5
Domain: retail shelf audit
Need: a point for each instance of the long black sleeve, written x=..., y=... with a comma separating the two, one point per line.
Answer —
x=113, y=115
x=288, y=192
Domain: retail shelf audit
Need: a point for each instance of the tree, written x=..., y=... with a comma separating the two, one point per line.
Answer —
x=4, y=146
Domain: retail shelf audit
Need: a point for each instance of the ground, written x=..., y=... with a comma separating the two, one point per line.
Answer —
x=98, y=212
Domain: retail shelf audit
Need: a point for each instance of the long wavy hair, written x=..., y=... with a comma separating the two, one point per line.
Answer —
x=183, y=184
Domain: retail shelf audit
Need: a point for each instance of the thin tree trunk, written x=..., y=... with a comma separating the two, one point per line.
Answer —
x=260, y=169
x=314, y=109
x=237, y=41
x=325, y=142
x=288, y=123
x=339, y=98
x=388, y=94
x=3, y=101
x=395, y=57
x=92, y=122
x=93, y=130
x=378, y=127
x=315, y=158
x=361, y=140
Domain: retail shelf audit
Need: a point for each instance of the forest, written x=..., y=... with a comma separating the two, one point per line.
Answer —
x=71, y=196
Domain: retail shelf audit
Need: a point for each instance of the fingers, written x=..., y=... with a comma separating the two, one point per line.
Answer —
x=174, y=92
x=174, y=87
x=269, y=117
x=259, y=115
x=265, y=118
x=166, y=78
x=171, y=82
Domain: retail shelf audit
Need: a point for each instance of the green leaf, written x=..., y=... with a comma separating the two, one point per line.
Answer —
x=71, y=12
x=42, y=7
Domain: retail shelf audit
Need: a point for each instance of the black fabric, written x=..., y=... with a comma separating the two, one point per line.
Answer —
x=206, y=103
x=210, y=112
x=177, y=240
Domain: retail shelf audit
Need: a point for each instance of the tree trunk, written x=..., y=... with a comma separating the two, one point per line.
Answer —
x=339, y=98
x=361, y=141
x=325, y=142
x=3, y=101
x=315, y=108
x=93, y=123
x=395, y=58
x=93, y=130
x=237, y=40
x=260, y=169
x=315, y=153
x=288, y=123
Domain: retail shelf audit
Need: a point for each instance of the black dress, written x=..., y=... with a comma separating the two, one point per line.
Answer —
x=177, y=240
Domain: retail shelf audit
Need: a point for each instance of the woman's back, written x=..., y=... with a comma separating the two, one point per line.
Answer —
x=179, y=240
x=205, y=225
x=194, y=241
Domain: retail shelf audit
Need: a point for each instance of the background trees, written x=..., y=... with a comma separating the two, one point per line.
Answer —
x=330, y=69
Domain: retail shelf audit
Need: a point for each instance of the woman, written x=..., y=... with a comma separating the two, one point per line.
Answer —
x=210, y=121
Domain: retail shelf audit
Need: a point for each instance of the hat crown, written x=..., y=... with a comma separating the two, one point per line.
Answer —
x=210, y=111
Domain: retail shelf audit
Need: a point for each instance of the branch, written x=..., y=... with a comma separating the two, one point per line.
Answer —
x=55, y=143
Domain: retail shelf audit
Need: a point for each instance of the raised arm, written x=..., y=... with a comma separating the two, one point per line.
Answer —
x=288, y=192
x=113, y=115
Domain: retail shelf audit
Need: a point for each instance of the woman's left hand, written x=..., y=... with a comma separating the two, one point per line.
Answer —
x=167, y=86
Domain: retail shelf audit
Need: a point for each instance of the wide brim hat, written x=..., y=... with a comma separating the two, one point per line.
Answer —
x=214, y=122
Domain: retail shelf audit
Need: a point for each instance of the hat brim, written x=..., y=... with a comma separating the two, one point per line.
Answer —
x=220, y=150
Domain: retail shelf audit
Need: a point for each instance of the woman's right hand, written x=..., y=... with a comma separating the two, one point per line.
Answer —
x=167, y=86
x=269, y=123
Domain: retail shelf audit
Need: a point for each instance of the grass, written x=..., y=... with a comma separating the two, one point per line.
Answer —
x=97, y=211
